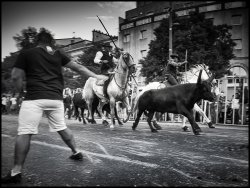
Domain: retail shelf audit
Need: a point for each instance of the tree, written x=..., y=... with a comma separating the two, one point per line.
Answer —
x=206, y=43
x=27, y=39
x=7, y=66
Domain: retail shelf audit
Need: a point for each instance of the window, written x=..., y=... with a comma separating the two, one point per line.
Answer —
x=72, y=41
x=188, y=4
x=143, y=53
x=238, y=44
x=143, y=34
x=126, y=37
x=237, y=19
x=237, y=71
x=212, y=19
x=150, y=13
x=167, y=9
x=134, y=17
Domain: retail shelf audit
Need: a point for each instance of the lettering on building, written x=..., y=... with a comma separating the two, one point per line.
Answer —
x=144, y=21
x=184, y=12
x=210, y=8
x=126, y=26
x=160, y=17
x=235, y=4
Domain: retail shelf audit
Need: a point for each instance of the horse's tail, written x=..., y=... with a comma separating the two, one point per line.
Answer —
x=87, y=87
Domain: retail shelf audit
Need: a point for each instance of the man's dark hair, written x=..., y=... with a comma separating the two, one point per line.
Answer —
x=45, y=38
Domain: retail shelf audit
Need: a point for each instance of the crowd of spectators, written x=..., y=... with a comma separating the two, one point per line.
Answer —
x=11, y=104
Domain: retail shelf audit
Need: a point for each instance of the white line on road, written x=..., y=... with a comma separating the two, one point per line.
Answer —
x=122, y=159
x=231, y=159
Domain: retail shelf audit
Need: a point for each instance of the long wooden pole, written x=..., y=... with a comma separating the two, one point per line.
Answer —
x=115, y=45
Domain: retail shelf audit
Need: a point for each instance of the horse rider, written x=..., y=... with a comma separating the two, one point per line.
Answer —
x=171, y=71
x=107, y=61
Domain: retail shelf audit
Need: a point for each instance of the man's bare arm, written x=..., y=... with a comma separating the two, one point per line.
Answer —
x=83, y=70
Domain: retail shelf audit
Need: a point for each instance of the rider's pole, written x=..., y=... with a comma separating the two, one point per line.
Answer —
x=113, y=42
x=186, y=66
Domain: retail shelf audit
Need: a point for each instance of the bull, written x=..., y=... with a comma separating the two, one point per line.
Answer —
x=178, y=99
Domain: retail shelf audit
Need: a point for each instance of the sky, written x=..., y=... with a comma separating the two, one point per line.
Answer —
x=62, y=18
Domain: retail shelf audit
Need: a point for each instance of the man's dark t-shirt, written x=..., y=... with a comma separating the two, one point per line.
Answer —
x=44, y=79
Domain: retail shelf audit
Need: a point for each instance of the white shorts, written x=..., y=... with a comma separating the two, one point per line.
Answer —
x=31, y=113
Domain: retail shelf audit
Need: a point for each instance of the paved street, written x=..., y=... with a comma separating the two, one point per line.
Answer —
x=218, y=157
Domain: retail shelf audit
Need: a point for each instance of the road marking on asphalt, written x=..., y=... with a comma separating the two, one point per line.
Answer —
x=116, y=158
x=137, y=141
x=102, y=148
x=231, y=159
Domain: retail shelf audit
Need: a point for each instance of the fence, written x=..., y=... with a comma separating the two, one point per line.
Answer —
x=230, y=107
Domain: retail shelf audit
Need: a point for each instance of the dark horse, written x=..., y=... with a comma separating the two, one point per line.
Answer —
x=179, y=99
x=79, y=102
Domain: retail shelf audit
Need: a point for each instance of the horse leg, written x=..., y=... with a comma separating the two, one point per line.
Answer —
x=127, y=106
x=149, y=119
x=138, y=116
x=200, y=111
x=112, y=113
x=104, y=121
x=189, y=115
x=117, y=117
x=76, y=111
x=155, y=124
x=82, y=113
x=90, y=108
x=95, y=103
x=184, y=127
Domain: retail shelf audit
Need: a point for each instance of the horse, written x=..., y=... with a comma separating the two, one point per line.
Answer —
x=189, y=76
x=178, y=99
x=79, y=102
x=117, y=89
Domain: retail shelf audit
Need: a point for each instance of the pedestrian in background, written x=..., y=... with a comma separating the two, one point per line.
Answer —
x=13, y=106
x=235, y=107
x=42, y=67
x=4, y=101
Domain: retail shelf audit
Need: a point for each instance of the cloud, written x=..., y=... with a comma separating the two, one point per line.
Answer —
x=101, y=17
x=118, y=6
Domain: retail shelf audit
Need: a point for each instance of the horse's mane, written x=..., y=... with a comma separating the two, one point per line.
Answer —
x=194, y=71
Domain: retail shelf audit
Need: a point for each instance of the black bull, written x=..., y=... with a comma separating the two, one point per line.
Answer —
x=178, y=99
x=79, y=102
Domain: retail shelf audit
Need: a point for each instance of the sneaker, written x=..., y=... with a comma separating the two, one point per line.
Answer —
x=77, y=156
x=12, y=179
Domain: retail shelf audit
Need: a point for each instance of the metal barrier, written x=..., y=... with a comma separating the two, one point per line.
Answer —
x=230, y=107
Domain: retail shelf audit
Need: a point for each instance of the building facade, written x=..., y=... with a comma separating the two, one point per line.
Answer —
x=136, y=30
x=76, y=46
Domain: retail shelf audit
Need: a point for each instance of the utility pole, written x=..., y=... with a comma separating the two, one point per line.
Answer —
x=170, y=30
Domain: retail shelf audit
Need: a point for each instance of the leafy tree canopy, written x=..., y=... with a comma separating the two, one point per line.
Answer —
x=205, y=43
x=27, y=39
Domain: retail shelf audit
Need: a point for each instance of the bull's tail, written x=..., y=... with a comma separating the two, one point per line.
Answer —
x=134, y=108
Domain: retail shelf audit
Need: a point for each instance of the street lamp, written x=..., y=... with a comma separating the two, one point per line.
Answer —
x=170, y=29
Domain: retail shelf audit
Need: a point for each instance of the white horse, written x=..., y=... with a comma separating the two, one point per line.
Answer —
x=117, y=89
x=189, y=76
